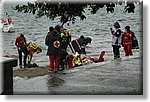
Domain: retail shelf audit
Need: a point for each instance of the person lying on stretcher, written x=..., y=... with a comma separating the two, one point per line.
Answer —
x=82, y=61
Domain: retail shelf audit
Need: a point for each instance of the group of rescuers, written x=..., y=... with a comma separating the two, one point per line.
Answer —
x=64, y=51
x=7, y=21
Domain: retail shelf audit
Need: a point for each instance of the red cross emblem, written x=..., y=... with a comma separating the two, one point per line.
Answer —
x=56, y=44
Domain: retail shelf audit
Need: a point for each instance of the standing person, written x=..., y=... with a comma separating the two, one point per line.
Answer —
x=116, y=40
x=51, y=28
x=127, y=41
x=60, y=30
x=20, y=43
x=5, y=18
x=9, y=19
x=53, y=41
x=66, y=38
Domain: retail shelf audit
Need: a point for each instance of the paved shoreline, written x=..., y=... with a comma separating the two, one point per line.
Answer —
x=115, y=77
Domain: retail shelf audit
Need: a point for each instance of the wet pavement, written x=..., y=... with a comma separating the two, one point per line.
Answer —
x=110, y=77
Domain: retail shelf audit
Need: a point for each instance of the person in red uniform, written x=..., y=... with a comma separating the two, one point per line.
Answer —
x=28, y=50
x=9, y=19
x=127, y=41
x=53, y=41
x=20, y=43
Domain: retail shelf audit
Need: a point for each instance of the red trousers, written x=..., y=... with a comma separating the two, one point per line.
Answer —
x=128, y=49
x=54, y=61
x=69, y=59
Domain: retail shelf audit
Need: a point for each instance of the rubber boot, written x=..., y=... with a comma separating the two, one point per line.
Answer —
x=101, y=59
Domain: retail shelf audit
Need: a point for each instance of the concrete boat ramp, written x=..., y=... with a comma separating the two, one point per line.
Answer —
x=113, y=77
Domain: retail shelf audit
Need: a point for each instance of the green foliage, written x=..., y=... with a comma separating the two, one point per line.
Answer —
x=67, y=11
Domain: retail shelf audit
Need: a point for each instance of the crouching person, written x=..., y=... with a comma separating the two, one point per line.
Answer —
x=53, y=41
x=76, y=48
x=29, y=50
x=32, y=48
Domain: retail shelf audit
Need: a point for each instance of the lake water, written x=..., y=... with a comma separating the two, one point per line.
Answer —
x=96, y=26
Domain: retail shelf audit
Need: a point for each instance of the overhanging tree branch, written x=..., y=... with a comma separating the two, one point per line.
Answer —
x=69, y=11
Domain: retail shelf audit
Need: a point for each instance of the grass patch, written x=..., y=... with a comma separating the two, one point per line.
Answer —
x=30, y=72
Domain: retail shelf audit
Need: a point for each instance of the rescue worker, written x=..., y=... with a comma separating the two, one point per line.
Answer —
x=127, y=41
x=116, y=40
x=60, y=30
x=78, y=46
x=53, y=41
x=29, y=50
x=9, y=20
x=51, y=28
x=32, y=47
x=66, y=38
x=50, y=31
x=77, y=60
x=20, y=43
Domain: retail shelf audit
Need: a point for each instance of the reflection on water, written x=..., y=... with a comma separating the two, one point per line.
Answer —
x=54, y=81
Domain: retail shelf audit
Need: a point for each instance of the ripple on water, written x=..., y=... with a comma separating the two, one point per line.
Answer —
x=96, y=26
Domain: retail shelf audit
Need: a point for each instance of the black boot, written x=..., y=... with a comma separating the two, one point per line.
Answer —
x=115, y=56
x=62, y=68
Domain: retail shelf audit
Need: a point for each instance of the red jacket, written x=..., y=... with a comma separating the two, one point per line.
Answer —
x=20, y=41
x=9, y=20
x=127, y=38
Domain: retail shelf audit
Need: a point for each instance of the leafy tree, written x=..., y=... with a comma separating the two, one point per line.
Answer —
x=69, y=11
